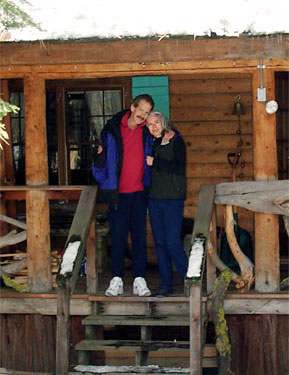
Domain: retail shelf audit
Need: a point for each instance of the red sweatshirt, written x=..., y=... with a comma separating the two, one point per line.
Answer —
x=131, y=177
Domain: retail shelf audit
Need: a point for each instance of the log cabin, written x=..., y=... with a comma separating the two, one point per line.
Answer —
x=66, y=90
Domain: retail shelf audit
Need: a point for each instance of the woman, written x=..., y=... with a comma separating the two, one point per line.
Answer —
x=167, y=193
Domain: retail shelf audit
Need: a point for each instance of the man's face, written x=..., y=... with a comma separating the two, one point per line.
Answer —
x=140, y=113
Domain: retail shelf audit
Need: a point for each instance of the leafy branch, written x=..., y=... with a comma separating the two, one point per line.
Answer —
x=12, y=16
x=5, y=108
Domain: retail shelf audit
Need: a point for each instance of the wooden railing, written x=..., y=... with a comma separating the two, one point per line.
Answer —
x=269, y=197
x=193, y=282
x=83, y=230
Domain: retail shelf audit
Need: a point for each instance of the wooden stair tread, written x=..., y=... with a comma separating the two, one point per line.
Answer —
x=136, y=320
x=151, y=345
x=150, y=369
x=132, y=345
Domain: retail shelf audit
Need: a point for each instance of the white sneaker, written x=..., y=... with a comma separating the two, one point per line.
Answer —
x=115, y=287
x=140, y=287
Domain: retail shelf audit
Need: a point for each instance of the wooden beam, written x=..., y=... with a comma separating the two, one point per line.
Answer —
x=37, y=204
x=259, y=196
x=267, y=258
x=145, y=50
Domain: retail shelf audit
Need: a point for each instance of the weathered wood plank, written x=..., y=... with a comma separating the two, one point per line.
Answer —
x=137, y=320
x=250, y=304
x=195, y=331
x=62, y=330
x=259, y=196
x=79, y=230
x=202, y=225
x=91, y=260
x=132, y=345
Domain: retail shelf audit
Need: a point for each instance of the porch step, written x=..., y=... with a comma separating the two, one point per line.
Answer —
x=136, y=320
x=128, y=370
x=136, y=345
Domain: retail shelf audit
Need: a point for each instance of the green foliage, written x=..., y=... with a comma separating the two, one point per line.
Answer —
x=222, y=341
x=5, y=108
x=11, y=283
x=12, y=16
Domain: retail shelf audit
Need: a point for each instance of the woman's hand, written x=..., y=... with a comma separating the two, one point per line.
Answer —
x=99, y=149
x=150, y=160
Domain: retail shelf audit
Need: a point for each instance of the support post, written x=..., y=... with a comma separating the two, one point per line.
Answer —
x=267, y=257
x=62, y=330
x=195, y=331
x=6, y=161
x=37, y=203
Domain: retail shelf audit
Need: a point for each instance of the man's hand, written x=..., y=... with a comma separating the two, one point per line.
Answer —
x=150, y=161
x=99, y=149
x=168, y=136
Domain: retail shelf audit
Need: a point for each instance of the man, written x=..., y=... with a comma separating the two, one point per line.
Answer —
x=122, y=176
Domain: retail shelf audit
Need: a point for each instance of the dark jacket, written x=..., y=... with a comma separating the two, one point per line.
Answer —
x=168, y=173
x=108, y=164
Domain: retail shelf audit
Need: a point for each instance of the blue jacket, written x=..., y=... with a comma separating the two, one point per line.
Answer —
x=109, y=163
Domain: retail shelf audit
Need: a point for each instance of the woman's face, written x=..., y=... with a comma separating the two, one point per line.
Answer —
x=154, y=125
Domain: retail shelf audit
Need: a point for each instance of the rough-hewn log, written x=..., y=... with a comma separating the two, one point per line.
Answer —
x=245, y=264
x=12, y=238
x=37, y=204
x=261, y=196
x=15, y=266
x=267, y=258
x=215, y=259
x=15, y=222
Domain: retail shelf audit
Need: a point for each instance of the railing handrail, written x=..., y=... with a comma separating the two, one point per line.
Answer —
x=66, y=282
x=79, y=232
x=201, y=228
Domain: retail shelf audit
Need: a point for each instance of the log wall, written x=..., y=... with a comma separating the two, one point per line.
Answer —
x=201, y=107
x=259, y=343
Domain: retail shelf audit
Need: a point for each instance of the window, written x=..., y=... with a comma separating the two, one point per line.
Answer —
x=87, y=112
x=18, y=138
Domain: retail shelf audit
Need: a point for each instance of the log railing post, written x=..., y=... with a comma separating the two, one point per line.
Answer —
x=196, y=330
x=267, y=257
x=195, y=274
x=62, y=330
x=37, y=203
x=91, y=260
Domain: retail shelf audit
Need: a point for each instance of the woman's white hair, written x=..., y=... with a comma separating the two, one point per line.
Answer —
x=167, y=126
